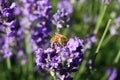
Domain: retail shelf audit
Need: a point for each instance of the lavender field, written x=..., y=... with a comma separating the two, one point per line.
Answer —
x=59, y=39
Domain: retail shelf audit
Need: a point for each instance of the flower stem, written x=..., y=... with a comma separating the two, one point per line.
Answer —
x=100, y=17
x=103, y=36
x=117, y=57
x=29, y=55
x=8, y=63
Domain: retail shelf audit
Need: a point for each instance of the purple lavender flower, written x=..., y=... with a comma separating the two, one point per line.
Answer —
x=117, y=21
x=37, y=12
x=26, y=1
x=85, y=17
x=21, y=57
x=89, y=41
x=106, y=1
x=8, y=13
x=1, y=17
x=65, y=4
x=6, y=49
x=37, y=9
x=112, y=73
x=114, y=28
x=15, y=27
x=3, y=3
x=10, y=29
x=61, y=17
x=2, y=28
x=24, y=60
x=61, y=60
x=40, y=35
x=17, y=10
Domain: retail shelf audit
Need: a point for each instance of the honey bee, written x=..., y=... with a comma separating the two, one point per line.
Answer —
x=59, y=40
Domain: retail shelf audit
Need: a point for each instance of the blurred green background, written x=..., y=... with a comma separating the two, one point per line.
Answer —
x=79, y=27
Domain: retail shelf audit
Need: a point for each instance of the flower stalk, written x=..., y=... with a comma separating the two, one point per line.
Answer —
x=8, y=64
x=117, y=57
x=103, y=36
x=100, y=17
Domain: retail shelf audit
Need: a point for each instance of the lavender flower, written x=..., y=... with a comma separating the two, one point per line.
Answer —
x=113, y=30
x=117, y=21
x=40, y=35
x=15, y=27
x=64, y=4
x=115, y=27
x=37, y=9
x=3, y=3
x=2, y=28
x=8, y=26
x=61, y=60
x=38, y=13
x=11, y=12
x=89, y=41
x=6, y=49
x=106, y=1
x=112, y=73
x=11, y=30
x=85, y=17
x=8, y=20
x=61, y=17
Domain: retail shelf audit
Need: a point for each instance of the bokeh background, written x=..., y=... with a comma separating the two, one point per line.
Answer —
x=83, y=22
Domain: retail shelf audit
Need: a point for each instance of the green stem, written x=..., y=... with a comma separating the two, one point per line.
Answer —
x=8, y=63
x=29, y=55
x=103, y=36
x=28, y=51
x=117, y=57
x=100, y=17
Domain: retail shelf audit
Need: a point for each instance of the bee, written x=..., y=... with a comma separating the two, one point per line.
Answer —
x=59, y=40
